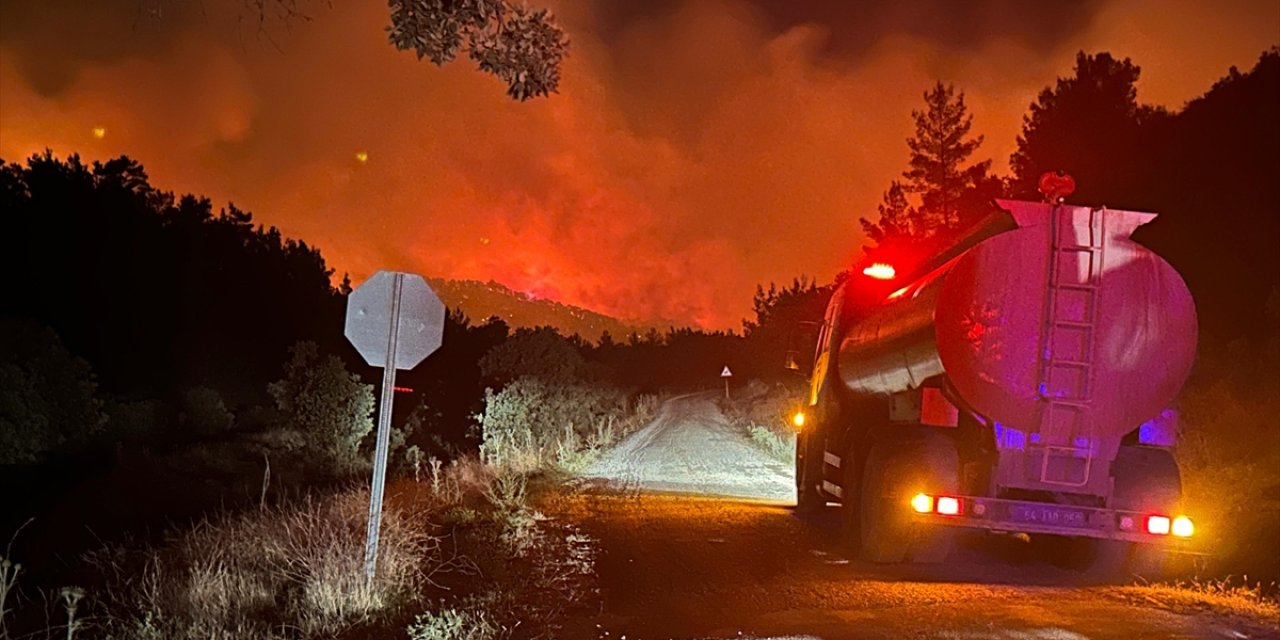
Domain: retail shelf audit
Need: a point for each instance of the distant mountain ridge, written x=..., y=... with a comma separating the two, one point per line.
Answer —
x=482, y=300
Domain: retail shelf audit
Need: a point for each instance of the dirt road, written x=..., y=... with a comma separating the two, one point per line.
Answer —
x=698, y=540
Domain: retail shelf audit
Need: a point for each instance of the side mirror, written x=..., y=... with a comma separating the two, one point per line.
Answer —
x=791, y=364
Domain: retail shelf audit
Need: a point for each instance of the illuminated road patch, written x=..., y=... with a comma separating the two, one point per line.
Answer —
x=690, y=448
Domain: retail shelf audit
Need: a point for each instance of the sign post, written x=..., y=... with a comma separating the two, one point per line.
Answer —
x=395, y=321
x=726, y=374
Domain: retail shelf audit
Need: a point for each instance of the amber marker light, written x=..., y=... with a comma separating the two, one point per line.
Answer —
x=99, y=132
x=362, y=157
x=1182, y=527
x=880, y=271
x=922, y=503
x=797, y=420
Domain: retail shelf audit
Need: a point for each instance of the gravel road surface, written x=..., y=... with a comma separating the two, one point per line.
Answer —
x=697, y=539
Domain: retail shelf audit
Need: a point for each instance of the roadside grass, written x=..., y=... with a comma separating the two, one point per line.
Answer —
x=462, y=555
x=762, y=412
x=1220, y=596
x=296, y=567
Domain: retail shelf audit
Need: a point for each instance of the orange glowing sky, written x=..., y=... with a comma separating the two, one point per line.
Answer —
x=695, y=148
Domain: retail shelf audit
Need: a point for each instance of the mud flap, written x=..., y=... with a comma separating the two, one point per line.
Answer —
x=809, y=496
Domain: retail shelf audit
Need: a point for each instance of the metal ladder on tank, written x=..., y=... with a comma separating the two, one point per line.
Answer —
x=1078, y=404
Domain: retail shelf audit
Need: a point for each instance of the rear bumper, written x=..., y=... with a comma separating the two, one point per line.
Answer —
x=1024, y=516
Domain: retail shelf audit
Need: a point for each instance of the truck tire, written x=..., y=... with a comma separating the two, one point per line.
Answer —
x=894, y=472
x=1147, y=479
x=809, y=496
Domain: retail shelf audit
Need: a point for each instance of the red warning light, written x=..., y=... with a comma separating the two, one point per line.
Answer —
x=403, y=389
x=880, y=271
x=1158, y=525
x=1055, y=186
x=948, y=506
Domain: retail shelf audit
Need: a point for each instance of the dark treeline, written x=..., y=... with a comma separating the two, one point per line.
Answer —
x=143, y=297
x=1210, y=170
x=157, y=293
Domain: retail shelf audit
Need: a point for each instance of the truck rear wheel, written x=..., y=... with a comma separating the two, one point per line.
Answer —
x=809, y=496
x=1147, y=479
x=894, y=472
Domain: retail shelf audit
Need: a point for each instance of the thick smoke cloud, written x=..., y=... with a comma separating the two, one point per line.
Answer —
x=696, y=148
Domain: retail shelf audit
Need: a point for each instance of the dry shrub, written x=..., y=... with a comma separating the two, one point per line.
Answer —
x=296, y=572
x=299, y=568
x=762, y=412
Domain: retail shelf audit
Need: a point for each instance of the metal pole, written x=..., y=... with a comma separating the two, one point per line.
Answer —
x=726, y=388
x=384, y=437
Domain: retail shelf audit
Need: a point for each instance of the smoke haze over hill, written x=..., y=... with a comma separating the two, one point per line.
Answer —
x=695, y=149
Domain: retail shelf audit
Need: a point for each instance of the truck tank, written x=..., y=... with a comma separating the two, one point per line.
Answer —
x=1062, y=328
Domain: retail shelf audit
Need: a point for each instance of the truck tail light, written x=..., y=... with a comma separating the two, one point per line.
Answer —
x=1158, y=525
x=1182, y=527
x=948, y=506
x=941, y=505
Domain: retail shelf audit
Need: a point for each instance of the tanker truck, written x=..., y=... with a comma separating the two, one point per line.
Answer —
x=1018, y=382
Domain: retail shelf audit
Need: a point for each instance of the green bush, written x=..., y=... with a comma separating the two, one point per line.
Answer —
x=327, y=405
x=779, y=444
x=204, y=412
x=531, y=423
x=47, y=395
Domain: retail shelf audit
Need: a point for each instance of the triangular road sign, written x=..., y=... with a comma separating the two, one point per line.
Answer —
x=726, y=373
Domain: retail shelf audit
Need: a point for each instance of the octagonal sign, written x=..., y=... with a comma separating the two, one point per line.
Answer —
x=398, y=313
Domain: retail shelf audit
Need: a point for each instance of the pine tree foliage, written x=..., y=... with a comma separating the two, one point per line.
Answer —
x=1091, y=115
x=942, y=192
x=939, y=149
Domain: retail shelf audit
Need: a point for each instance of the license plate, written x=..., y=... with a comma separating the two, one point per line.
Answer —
x=1049, y=515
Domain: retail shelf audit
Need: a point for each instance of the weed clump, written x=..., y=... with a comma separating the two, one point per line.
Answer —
x=762, y=413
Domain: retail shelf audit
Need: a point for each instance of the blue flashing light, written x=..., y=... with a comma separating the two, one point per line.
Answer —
x=1160, y=431
x=1009, y=438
